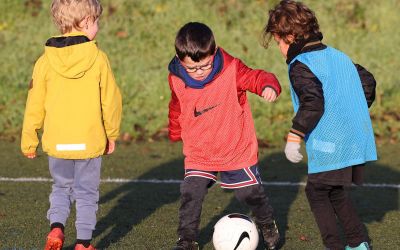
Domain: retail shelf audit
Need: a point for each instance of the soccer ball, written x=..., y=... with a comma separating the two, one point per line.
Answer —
x=235, y=232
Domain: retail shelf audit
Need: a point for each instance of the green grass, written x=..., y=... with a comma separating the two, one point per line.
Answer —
x=138, y=36
x=144, y=216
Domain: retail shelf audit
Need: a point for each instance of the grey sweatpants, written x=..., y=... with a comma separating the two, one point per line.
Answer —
x=75, y=180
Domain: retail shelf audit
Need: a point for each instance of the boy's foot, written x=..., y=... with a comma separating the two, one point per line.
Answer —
x=362, y=246
x=82, y=247
x=186, y=245
x=55, y=239
x=270, y=235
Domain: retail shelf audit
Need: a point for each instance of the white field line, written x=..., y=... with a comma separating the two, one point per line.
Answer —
x=171, y=181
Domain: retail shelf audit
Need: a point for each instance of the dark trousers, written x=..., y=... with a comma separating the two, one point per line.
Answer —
x=193, y=191
x=327, y=202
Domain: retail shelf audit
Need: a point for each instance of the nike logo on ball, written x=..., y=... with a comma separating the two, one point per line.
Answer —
x=241, y=238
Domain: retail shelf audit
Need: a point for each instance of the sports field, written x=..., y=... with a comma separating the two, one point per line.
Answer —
x=140, y=197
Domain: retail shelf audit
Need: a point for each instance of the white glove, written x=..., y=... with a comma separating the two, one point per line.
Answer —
x=292, y=149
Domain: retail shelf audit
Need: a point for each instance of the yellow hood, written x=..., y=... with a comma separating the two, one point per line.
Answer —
x=71, y=61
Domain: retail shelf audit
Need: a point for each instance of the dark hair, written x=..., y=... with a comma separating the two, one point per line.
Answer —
x=290, y=18
x=194, y=40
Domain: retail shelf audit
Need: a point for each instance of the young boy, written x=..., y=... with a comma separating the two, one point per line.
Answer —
x=74, y=97
x=331, y=97
x=210, y=113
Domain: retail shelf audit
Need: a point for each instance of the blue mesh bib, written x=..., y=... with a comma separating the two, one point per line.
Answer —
x=344, y=136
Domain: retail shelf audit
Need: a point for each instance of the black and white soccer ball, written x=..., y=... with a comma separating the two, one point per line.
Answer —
x=235, y=232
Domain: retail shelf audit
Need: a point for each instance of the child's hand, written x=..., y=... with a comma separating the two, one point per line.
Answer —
x=292, y=149
x=269, y=94
x=110, y=147
x=30, y=155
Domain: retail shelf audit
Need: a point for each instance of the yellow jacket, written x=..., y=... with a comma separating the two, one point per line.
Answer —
x=74, y=98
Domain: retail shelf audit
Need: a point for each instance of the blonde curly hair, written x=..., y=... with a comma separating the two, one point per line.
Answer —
x=68, y=14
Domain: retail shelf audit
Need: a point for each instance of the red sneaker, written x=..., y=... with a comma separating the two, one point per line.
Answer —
x=82, y=247
x=55, y=239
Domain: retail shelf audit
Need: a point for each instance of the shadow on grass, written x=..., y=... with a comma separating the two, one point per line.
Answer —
x=274, y=168
x=136, y=201
x=136, y=204
x=371, y=203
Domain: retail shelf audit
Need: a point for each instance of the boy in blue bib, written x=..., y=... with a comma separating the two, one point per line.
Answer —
x=331, y=96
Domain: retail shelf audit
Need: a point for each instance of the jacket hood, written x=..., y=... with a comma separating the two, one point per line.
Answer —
x=71, y=55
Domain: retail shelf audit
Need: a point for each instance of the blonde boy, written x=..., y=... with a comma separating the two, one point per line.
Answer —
x=74, y=98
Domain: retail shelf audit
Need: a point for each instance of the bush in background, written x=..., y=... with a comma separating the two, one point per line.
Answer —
x=138, y=37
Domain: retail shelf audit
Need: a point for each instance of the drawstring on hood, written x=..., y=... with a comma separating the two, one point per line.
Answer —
x=71, y=55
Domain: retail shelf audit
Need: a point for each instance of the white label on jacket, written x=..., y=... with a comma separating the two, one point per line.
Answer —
x=70, y=147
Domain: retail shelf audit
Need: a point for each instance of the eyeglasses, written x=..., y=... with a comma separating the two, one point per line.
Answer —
x=202, y=67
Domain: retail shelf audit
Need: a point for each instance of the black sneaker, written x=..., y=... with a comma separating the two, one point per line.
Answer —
x=182, y=244
x=270, y=235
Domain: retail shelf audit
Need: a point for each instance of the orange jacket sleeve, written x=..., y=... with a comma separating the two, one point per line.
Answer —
x=174, y=128
x=256, y=80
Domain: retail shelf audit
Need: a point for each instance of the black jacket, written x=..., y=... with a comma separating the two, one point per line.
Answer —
x=309, y=89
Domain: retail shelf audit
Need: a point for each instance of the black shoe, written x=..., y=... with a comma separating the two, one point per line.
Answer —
x=270, y=235
x=182, y=244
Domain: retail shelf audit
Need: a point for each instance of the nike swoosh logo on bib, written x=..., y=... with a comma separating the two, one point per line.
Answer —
x=198, y=113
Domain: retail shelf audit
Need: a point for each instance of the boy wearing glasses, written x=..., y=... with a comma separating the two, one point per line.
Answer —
x=210, y=113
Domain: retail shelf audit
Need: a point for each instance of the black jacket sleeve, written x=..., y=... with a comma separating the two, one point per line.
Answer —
x=368, y=83
x=311, y=97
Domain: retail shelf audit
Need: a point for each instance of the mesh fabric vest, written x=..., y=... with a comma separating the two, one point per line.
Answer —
x=344, y=136
x=217, y=132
